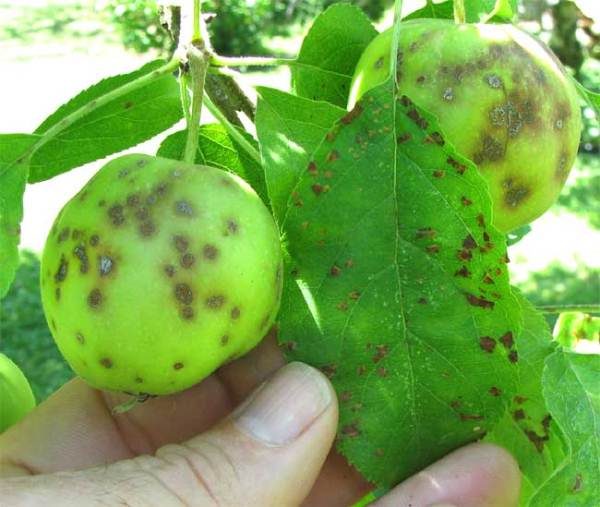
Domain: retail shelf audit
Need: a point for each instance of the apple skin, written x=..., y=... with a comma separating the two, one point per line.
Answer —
x=157, y=272
x=502, y=99
x=16, y=397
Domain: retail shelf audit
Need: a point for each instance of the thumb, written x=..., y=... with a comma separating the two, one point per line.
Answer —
x=268, y=452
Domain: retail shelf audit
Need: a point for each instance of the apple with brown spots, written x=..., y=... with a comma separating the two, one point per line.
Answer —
x=158, y=272
x=502, y=99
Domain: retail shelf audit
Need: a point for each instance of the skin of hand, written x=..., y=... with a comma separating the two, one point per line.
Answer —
x=255, y=433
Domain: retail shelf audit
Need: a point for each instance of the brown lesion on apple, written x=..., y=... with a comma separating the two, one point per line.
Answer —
x=491, y=149
x=515, y=192
x=562, y=166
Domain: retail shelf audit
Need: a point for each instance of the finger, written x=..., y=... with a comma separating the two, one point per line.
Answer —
x=76, y=427
x=478, y=475
x=269, y=452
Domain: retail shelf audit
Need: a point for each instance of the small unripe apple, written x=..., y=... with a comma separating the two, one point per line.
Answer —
x=158, y=272
x=502, y=99
x=16, y=397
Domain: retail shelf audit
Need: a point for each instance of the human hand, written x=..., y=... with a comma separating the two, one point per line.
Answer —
x=197, y=448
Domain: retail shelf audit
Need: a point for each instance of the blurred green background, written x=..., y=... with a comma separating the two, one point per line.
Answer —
x=276, y=27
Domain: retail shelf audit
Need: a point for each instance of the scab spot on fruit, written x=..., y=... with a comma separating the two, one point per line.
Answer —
x=94, y=240
x=63, y=268
x=232, y=226
x=106, y=362
x=224, y=340
x=210, y=252
x=115, y=213
x=133, y=200
x=184, y=208
x=215, y=302
x=421, y=79
x=141, y=162
x=64, y=234
x=105, y=265
x=169, y=270
x=142, y=213
x=448, y=95
x=147, y=228
x=187, y=313
x=181, y=243
x=514, y=193
x=184, y=294
x=187, y=260
x=138, y=380
x=493, y=81
x=235, y=313
x=491, y=149
x=57, y=293
x=94, y=299
x=80, y=252
x=80, y=338
x=178, y=366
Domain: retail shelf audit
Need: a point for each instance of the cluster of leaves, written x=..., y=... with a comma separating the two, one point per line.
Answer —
x=379, y=242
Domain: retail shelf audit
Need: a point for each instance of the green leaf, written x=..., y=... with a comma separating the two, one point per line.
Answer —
x=216, y=148
x=592, y=98
x=14, y=168
x=120, y=124
x=526, y=430
x=444, y=10
x=407, y=304
x=498, y=11
x=330, y=52
x=289, y=129
x=578, y=331
x=572, y=391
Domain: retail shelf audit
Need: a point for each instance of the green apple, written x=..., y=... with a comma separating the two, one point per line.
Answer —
x=158, y=272
x=502, y=99
x=16, y=397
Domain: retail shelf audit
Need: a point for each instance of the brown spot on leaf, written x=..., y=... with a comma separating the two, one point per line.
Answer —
x=466, y=201
x=460, y=168
x=487, y=343
x=513, y=356
x=329, y=370
x=414, y=115
x=402, y=138
x=439, y=173
x=312, y=168
x=425, y=232
x=479, y=301
x=495, y=391
x=381, y=352
x=335, y=270
x=469, y=242
x=507, y=340
x=333, y=155
x=463, y=272
x=352, y=115
x=519, y=414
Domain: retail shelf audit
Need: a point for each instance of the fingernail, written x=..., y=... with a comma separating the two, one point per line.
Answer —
x=285, y=406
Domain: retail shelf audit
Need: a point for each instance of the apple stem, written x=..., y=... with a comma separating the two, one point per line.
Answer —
x=459, y=12
x=197, y=60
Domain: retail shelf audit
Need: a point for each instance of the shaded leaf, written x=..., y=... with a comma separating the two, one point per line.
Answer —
x=289, y=129
x=572, y=391
x=14, y=168
x=405, y=286
x=120, y=124
x=330, y=52
x=217, y=149
x=527, y=430
x=592, y=98
x=499, y=11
